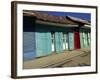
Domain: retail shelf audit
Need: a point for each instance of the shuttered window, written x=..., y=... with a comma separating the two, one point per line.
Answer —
x=71, y=40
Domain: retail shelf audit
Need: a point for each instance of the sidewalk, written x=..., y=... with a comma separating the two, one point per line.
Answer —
x=55, y=59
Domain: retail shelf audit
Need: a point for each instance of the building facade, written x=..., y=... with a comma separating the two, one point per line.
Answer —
x=45, y=34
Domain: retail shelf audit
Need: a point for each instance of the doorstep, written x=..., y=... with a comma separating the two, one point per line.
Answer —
x=54, y=59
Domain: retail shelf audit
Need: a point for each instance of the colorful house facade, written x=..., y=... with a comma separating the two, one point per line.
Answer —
x=45, y=34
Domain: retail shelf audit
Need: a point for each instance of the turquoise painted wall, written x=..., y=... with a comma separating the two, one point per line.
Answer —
x=65, y=35
x=85, y=39
x=58, y=42
x=89, y=38
x=81, y=38
x=71, y=40
x=37, y=39
x=43, y=39
x=43, y=43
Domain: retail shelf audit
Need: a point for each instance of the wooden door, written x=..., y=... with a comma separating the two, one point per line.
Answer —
x=76, y=40
x=89, y=40
x=43, y=43
x=70, y=41
x=58, y=42
x=84, y=41
x=81, y=39
x=86, y=36
x=64, y=41
x=48, y=43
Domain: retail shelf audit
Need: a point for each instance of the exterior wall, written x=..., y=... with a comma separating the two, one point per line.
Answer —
x=29, y=46
x=65, y=40
x=81, y=39
x=85, y=38
x=70, y=40
x=43, y=41
x=37, y=39
x=76, y=38
x=58, y=42
x=29, y=49
x=43, y=37
x=89, y=38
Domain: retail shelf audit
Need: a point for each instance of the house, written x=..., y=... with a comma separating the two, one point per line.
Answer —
x=45, y=34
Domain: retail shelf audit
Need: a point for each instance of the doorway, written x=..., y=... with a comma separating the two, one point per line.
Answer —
x=76, y=40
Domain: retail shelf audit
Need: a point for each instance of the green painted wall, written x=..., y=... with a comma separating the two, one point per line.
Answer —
x=81, y=38
x=71, y=40
x=58, y=42
x=85, y=38
x=43, y=43
x=89, y=38
x=65, y=41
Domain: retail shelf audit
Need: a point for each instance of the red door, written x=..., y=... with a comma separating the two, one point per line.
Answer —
x=76, y=40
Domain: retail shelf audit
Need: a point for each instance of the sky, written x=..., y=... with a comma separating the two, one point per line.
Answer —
x=85, y=16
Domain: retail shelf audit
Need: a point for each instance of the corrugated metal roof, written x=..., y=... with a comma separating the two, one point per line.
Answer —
x=55, y=19
x=75, y=19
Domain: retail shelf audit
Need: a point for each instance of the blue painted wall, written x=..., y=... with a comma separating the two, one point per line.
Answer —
x=29, y=45
x=29, y=48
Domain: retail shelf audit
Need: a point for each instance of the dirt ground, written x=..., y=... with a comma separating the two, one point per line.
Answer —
x=80, y=57
x=78, y=61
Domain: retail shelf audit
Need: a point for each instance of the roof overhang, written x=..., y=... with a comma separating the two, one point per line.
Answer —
x=55, y=24
x=46, y=19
